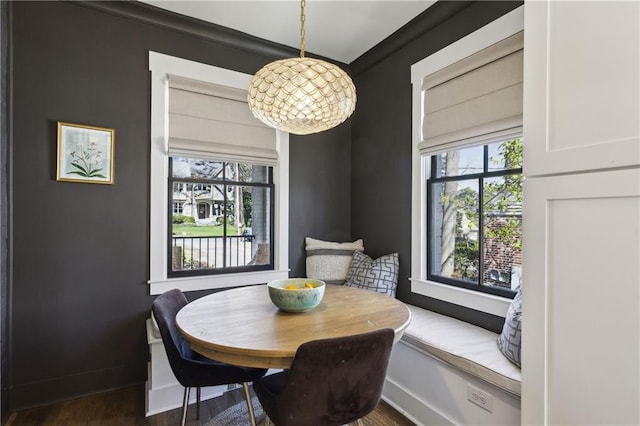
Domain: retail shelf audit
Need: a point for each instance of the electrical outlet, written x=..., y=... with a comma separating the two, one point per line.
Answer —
x=480, y=398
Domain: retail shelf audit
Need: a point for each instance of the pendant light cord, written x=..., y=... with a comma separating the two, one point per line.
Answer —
x=302, y=31
x=301, y=95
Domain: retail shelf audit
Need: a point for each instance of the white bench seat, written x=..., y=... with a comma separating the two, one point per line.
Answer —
x=464, y=346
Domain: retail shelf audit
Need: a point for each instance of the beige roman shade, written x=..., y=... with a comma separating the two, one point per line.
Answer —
x=214, y=122
x=475, y=99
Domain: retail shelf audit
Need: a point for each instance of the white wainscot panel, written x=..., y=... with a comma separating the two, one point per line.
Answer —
x=593, y=311
x=163, y=392
x=581, y=88
x=581, y=326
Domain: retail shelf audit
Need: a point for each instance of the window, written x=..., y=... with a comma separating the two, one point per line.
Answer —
x=178, y=206
x=466, y=206
x=226, y=222
x=215, y=168
x=474, y=211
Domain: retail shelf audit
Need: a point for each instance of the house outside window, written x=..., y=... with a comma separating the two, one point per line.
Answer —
x=226, y=221
x=474, y=217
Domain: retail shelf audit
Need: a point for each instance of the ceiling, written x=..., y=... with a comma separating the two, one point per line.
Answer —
x=339, y=30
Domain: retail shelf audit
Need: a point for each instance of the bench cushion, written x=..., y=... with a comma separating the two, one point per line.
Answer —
x=464, y=346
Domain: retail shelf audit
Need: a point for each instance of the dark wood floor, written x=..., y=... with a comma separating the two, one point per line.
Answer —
x=125, y=407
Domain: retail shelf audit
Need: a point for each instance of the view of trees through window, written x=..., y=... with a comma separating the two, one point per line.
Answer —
x=221, y=216
x=475, y=217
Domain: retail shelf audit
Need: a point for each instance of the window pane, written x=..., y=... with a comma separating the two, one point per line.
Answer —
x=177, y=207
x=505, y=155
x=473, y=245
x=196, y=169
x=454, y=225
x=502, y=221
x=215, y=232
x=461, y=162
x=240, y=172
x=253, y=216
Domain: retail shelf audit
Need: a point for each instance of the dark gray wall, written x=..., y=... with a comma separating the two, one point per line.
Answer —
x=320, y=196
x=381, y=137
x=80, y=251
x=4, y=229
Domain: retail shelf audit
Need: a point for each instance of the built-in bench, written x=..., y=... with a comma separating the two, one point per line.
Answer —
x=441, y=364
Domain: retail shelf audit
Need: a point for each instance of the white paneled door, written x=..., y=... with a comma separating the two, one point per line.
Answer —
x=581, y=326
x=582, y=86
x=581, y=272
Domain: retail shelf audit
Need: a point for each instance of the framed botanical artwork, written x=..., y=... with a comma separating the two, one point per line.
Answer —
x=85, y=153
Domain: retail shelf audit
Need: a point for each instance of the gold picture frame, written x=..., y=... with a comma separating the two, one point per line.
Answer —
x=85, y=153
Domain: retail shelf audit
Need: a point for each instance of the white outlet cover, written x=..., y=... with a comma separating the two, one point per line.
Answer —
x=480, y=398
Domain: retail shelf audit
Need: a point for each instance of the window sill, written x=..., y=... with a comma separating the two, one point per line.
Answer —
x=488, y=303
x=210, y=282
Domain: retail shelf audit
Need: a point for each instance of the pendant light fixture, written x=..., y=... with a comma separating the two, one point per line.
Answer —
x=301, y=95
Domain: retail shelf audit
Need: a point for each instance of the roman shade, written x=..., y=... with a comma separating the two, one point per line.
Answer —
x=475, y=99
x=214, y=122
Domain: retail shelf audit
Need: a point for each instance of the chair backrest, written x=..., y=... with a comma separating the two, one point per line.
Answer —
x=165, y=308
x=337, y=381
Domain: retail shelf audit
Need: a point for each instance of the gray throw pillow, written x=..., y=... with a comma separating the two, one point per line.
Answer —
x=509, y=341
x=379, y=275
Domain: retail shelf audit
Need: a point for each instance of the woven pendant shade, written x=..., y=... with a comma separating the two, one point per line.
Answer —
x=301, y=95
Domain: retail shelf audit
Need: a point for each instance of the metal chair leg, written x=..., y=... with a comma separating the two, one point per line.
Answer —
x=185, y=404
x=247, y=396
x=198, y=403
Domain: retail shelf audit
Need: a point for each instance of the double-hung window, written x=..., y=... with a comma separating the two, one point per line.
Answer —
x=219, y=182
x=226, y=224
x=467, y=168
x=474, y=217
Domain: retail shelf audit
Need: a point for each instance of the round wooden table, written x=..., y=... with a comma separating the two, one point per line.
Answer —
x=241, y=326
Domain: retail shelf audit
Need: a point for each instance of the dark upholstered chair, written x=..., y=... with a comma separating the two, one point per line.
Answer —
x=191, y=369
x=331, y=381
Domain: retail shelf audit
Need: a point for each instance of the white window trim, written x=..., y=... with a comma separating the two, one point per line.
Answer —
x=161, y=66
x=500, y=29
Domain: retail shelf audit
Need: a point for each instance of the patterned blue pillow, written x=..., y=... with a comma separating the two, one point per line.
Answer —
x=379, y=275
x=509, y=341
